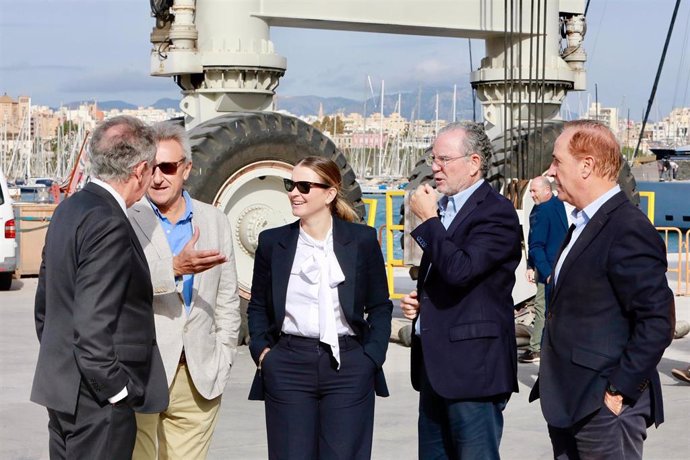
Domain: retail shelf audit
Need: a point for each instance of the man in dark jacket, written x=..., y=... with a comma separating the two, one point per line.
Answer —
x=611, y=313
x=464, y=357
x=98, y=361
x=548, y=225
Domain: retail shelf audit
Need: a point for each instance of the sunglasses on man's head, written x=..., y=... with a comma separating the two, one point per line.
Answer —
x=303, y=186
x=168, y=167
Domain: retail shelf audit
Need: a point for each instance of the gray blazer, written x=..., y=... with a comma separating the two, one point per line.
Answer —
x=209, y=333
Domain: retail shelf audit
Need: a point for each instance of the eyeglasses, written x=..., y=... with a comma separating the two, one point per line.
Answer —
x=168, y=167
x=441, y=161
x=303, y=186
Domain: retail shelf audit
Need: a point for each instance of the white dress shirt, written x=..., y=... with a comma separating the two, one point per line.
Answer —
x=302, y=300
x=112, y=191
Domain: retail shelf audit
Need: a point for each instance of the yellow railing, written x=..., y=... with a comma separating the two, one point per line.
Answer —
x=687, y=262
x=390, y=228
x=679, y=268
x=372, y=203
x=650, y=204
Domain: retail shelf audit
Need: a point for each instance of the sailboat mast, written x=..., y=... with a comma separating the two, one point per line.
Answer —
x=436, y=124
x=381, y=148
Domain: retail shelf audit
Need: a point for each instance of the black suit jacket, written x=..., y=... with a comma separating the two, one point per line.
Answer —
x=93, y=311
x=363, y=295
x=466, y=304
x=611, y=315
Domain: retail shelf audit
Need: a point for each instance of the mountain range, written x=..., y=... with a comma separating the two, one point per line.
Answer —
x=420, y=104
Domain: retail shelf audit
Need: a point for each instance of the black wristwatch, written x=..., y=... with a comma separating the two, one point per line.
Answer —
x=612, y=390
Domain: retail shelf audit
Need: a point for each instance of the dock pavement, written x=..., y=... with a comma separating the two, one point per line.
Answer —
x=240, y=431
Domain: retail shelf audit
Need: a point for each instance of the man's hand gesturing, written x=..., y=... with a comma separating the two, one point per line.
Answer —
x=191, y=261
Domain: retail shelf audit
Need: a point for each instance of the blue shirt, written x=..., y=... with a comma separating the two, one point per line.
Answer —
x=178, y=235
x=448, y=207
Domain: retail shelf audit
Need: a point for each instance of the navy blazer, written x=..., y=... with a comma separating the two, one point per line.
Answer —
x=466, y=305
x=611, y=316
x=548, y=226
x=364, y=291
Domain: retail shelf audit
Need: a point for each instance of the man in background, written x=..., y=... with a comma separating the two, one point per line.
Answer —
x=548, y=225
x=196, y=303
x=611, y=313
x=464, y=356
x=98, y=361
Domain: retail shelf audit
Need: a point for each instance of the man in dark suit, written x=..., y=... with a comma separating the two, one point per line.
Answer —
x=548, y=225
x=611, y=312
x=98, y=360
x=464, y=357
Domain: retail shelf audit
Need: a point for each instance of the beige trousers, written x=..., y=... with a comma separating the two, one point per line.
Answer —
x=184, y=430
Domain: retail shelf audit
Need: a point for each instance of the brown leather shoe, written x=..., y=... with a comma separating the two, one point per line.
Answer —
x=682, y=375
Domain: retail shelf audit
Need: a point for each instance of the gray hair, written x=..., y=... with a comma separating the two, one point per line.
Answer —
x=171, y=131
x=476, y=141
x=544, y=183
x=118, y=145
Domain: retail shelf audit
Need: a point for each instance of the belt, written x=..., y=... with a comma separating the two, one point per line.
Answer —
x=345, y=341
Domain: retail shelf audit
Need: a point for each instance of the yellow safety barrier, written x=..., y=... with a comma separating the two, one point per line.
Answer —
x=679, y=268
x=372, y=203
x=650, y=204
x=687, y=262
x=390, y=227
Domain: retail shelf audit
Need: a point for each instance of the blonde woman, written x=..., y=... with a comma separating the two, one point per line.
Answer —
x=319, y=320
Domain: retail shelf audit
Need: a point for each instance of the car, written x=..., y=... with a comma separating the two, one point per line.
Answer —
x=8, y=237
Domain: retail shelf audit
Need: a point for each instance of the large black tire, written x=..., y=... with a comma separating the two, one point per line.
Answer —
x=231, y=147
x=536, y=148
x=421, y=174
x=225, y=144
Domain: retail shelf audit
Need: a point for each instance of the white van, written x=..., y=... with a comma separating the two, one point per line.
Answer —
x=8, y=243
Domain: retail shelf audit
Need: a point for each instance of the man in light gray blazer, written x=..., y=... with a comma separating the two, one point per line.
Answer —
x=188, y=246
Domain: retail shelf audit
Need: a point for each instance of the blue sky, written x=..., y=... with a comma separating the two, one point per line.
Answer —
x=61, y=51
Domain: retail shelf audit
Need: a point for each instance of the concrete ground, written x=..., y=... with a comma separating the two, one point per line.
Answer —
x=240, y=432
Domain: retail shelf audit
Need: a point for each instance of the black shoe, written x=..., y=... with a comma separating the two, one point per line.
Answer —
x=682, y=375
x=529, y=357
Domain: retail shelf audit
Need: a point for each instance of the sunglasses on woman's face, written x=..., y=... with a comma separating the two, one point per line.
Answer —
x=168, y=167
x=303, y=186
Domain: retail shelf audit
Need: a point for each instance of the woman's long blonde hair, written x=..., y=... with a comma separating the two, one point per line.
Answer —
x=329, y=173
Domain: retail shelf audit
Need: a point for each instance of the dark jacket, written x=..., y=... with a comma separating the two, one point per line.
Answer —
x=466, y=305
x=93, y=311
x=611, y=316
x=363, y=295
x=548, y=226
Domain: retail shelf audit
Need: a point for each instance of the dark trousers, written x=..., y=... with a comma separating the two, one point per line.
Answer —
x=313, y=411
x=458, y=429
x=605, y=436
x=93, y=432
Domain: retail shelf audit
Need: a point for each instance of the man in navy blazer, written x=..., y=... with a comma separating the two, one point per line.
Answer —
x=611, y=312
x=464, y=357
x=548, y=225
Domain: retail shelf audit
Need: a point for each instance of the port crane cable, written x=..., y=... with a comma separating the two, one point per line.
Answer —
x=682, y=63
x=658, y=75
